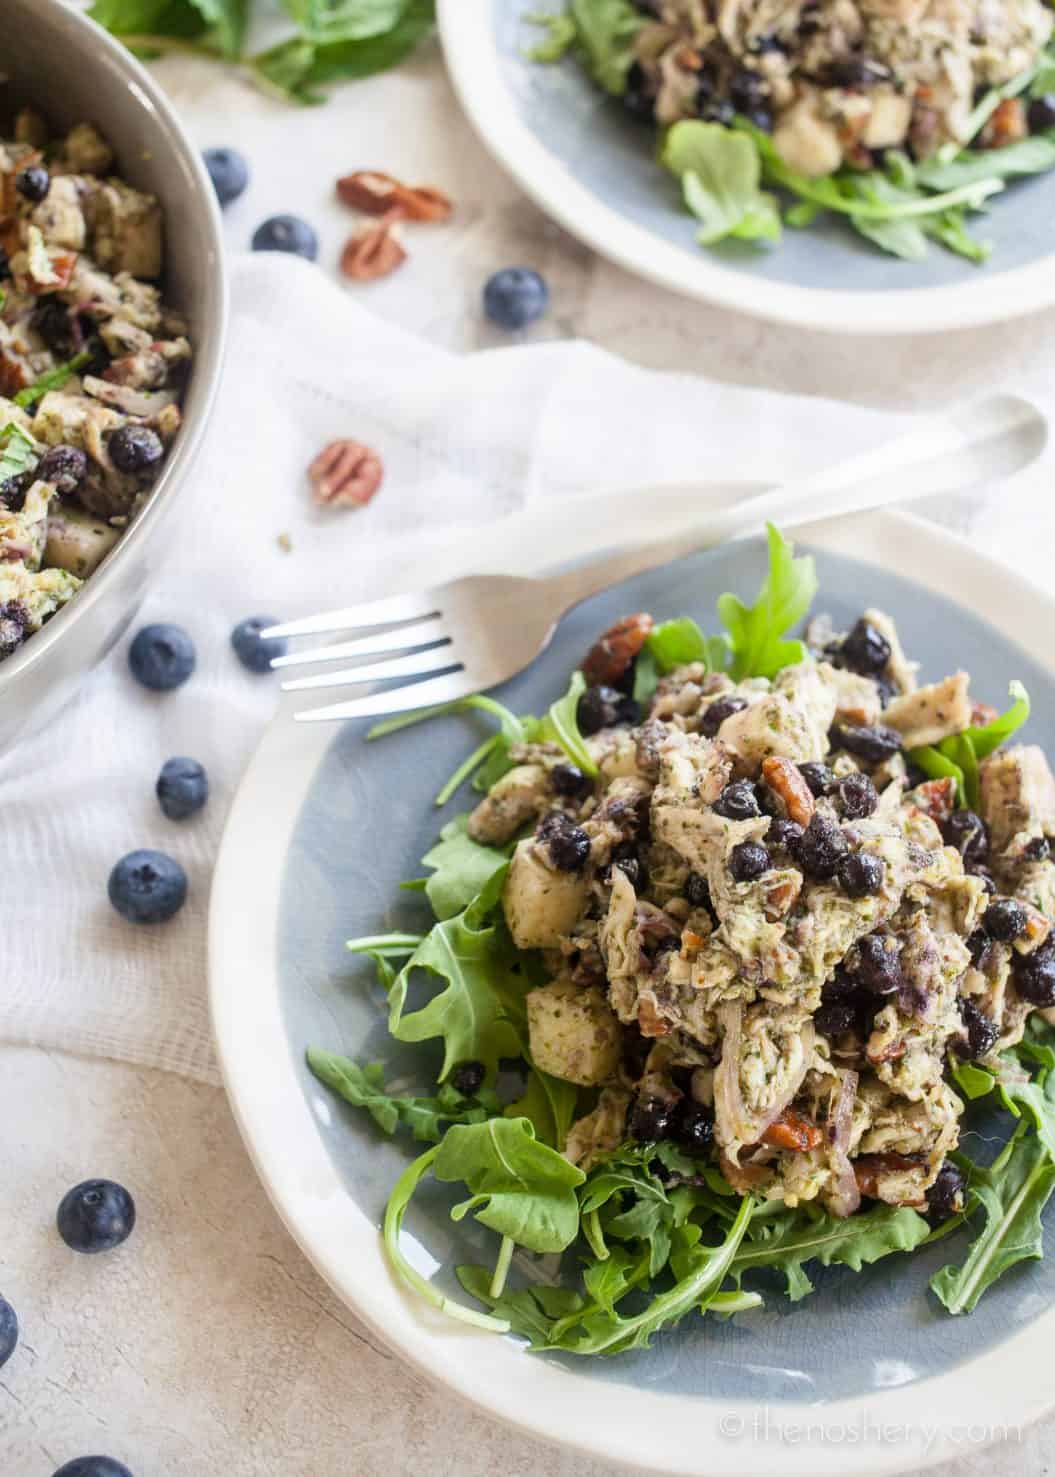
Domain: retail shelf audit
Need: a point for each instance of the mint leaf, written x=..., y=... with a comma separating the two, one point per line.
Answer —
x=605, y=31
x=477, y=1012
x=461, y=868
x=425, y=1117
x=720, y=174
x=756, y=632
x=1012, y=1192
x=519, y=1187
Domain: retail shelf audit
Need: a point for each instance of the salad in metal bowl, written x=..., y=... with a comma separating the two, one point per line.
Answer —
x=900, y=117
x=721, y=959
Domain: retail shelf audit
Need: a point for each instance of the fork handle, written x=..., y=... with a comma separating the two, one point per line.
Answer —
x=950, y=452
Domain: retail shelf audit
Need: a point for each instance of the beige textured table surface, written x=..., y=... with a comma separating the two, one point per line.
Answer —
x=207, y=1347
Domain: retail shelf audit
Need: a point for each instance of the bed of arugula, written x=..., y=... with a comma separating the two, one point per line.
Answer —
x=652, y=1234
x=728, y=175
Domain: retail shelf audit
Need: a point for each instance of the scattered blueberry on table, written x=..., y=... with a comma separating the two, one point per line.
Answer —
x=93, y=1466
x=253, y=650
x=515, y=297
x=286, y=233
x=182, y=787
x=228, y=171
x=161, y=657
x=147, y=887
x=8, y=1331
x=96, y=1215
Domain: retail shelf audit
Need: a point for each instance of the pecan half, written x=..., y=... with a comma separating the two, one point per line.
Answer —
x=376, y=194
x=345, y=474
x=936, y=798
x=792, y=1131
x=1006, y=126
x=609, y=657
x=869, y=1167
x=784, y=777
x=373, y=252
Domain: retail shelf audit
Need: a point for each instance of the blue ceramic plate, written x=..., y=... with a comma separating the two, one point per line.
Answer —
x=594, y=170
x=320, y=837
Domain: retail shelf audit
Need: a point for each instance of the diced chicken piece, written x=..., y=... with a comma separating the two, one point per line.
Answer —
x=907, y=1049
x=805, y=140
x=905, y=1144
x=790, y=722
x=119, y=297
x=77, y=541
x=540, y=904
x=573, y=1033
x=621, y=815
x=59, y=215
x=600, y=1131
x=898, y=669
x=38, y=593
x=857, y=699
x=86, y=151
x=122, y=338
x=766, y=1053
x=143, y=404
x=22, y=534
x=126, y=229
x=889, y=119
x=1017, y=795
x=931, y=713
x=518, y=797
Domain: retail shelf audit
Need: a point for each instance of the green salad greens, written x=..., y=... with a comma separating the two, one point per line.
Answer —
x=650, y=1233
x=328, y=40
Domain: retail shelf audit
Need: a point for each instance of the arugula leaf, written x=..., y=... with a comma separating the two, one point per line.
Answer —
x=300, y=67
x=475, y=1013
x=520, y=1188
x=54, y=379
x=561, y=726
x=644, y=1211
x=756, y=632
x=720, y=173
x=1012, y=1192
x=676, y=643
x=531, y=1311
x=605, y=31
x=461, y=868
x=16, y=448
x=1032, y=155
x=787, y=1240
x=426, y=1117
x=561, y=34
x=549, y=1103
x=959, y=755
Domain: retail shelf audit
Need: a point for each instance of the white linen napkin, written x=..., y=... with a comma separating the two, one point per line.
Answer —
x=465, y=441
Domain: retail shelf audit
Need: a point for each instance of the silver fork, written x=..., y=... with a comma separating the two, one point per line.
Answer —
x=473, y=633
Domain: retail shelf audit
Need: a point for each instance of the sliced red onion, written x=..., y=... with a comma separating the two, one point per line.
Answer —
x=845, y=1196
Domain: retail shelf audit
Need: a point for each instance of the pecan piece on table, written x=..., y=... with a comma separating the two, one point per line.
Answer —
x=345, y=474
x=376, y=194
x=373, y=252
x=609, y=658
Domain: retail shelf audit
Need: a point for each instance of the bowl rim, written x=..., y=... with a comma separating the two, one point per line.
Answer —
x=474, y=67
x=1004, y=1387
x=209, y=351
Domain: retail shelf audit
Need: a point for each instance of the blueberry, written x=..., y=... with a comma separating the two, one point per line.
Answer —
x=515, y=297
x=135, y=448
x=717, y=712
x=254, y=651
x=857, y=797
x=945, y=1197
x=982, y=1030
x=161, y=657
x=968, y=833
x=5, y=265
x=568, y=780
x=625, y=857
x=861, y=874
x=93, y=1466
x=8, y=1331
x=879, y=965
x=697, y=890
x=1037, y=850
x=835, y=1019
x=748, y=861
x=147, y=887
x=784, y=833
x=182, y=788
x=978, y=946
x=738, y=802
x=286, y=233
x=567, y=843
x=1034, y=975
x=866, y=650
x=1042, y=113
x=985, y=877
x=228, y=171
x=468, y=1077
x=14, y=619
x=64, y=466
x=13, y=490
x=819, y=778
x=1005, y=920
x=604, y=707
x=693, y=1126
x=96, y=1215
x=639, y=97
x=33, y=183
x=821, y=848
x=873, y=743
x=650, y=1120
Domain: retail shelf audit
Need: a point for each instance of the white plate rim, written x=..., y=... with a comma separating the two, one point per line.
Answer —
x=1008, y=1386
x=474, y=67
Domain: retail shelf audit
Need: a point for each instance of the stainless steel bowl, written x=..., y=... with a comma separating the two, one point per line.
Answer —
x=70, y=69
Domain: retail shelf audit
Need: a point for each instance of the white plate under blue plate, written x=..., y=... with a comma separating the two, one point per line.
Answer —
x=323, y=829
x=593, y=169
